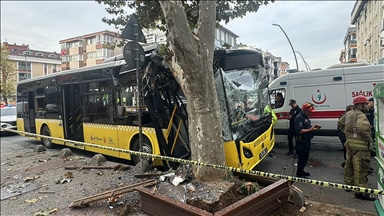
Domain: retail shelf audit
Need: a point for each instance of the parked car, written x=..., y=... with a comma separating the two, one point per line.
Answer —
x=8, y=117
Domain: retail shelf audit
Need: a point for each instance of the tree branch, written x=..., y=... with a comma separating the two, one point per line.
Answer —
x=206, y=25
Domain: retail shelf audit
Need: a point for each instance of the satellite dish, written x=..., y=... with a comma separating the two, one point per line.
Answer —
x=129, y=53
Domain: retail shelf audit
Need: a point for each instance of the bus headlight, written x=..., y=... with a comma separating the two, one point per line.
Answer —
x=247, y=153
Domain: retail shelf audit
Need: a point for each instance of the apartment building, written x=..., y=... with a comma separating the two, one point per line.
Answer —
x=349, y=53
x=90, y=49
x=32, y=63
x=223, y=37
x=368, y=17
x=284, y=68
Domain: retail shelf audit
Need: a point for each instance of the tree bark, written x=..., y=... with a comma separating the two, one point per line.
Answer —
x=192, y=65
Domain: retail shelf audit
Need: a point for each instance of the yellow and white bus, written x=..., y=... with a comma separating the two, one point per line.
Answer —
x=97, y=105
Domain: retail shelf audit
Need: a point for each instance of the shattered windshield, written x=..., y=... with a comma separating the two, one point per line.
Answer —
x=243, y=95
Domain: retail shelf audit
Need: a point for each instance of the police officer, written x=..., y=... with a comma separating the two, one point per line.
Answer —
x=304, y=130
x=295, y=110
x=358, y=133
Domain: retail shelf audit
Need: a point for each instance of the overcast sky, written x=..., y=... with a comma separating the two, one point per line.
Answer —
x=315, y=28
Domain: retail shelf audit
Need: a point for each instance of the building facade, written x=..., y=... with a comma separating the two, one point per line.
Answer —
x=31, y=63
x=368, y=17
x=90, y=49
x=284, y=68
x=224, y=38
x=349, y=53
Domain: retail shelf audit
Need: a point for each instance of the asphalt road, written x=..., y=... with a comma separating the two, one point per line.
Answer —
x=324, y=165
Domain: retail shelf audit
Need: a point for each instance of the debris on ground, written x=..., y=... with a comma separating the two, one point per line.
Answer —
x=31, y=178
x=63, y=180
x=69, y=175
x=33, y=200
x=46, y=212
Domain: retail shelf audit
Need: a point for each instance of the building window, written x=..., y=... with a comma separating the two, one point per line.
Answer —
x=217, y=34
x=45, y=69
x=24, y=66
x=27, y=53
x=54, y=68
x=104, y=53
x=353, y=39
x=65, y=58
x=39, y=54
x=76, y=58
x=223, y=36
x=23, y=76
x=52, y=56
x=91, y=40
x=76, y=44
x=353, y=53
x=91, y=55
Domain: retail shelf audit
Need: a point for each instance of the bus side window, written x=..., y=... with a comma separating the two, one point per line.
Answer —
x=98, y=100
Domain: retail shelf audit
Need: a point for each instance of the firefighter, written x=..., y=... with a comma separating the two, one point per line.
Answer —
x=358, y=133
x=295, y=110
x=341, y=134
x=304, y=130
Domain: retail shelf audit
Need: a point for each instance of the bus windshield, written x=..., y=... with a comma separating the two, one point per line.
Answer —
x=243, y=95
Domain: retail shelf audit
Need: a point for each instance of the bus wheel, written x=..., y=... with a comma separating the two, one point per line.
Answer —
x=147, y=148
x=46, y=142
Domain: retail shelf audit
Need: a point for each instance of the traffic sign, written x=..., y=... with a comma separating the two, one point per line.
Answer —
x=129, y=53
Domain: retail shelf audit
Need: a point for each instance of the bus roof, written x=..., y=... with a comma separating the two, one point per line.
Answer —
x=74, y=71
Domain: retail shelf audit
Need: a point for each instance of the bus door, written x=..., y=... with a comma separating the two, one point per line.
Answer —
x=73, y=127
x=29, y=113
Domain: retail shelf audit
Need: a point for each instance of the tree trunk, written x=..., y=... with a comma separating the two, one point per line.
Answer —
x=192, y=65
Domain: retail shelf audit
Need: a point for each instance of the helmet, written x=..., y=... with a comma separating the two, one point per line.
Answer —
x=309, y=107
x=360, y=99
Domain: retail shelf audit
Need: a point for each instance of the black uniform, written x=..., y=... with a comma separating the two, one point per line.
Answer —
x=371, y=117
x=291, y=131
x=303, y=142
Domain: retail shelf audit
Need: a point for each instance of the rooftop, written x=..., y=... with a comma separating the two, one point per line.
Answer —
x=24, y=50
x=78, y=38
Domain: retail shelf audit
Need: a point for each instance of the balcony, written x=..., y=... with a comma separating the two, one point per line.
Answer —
x=64, y=65
x=105, y=45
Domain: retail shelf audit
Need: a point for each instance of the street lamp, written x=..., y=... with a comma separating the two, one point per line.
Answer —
x=294, y=54
x=305, y=63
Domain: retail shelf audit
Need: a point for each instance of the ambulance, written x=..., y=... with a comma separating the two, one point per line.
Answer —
x=330, y=91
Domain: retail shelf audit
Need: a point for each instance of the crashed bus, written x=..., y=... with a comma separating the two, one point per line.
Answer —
x=97, y=105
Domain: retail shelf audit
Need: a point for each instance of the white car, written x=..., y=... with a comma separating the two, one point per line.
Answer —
x=8, y=117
